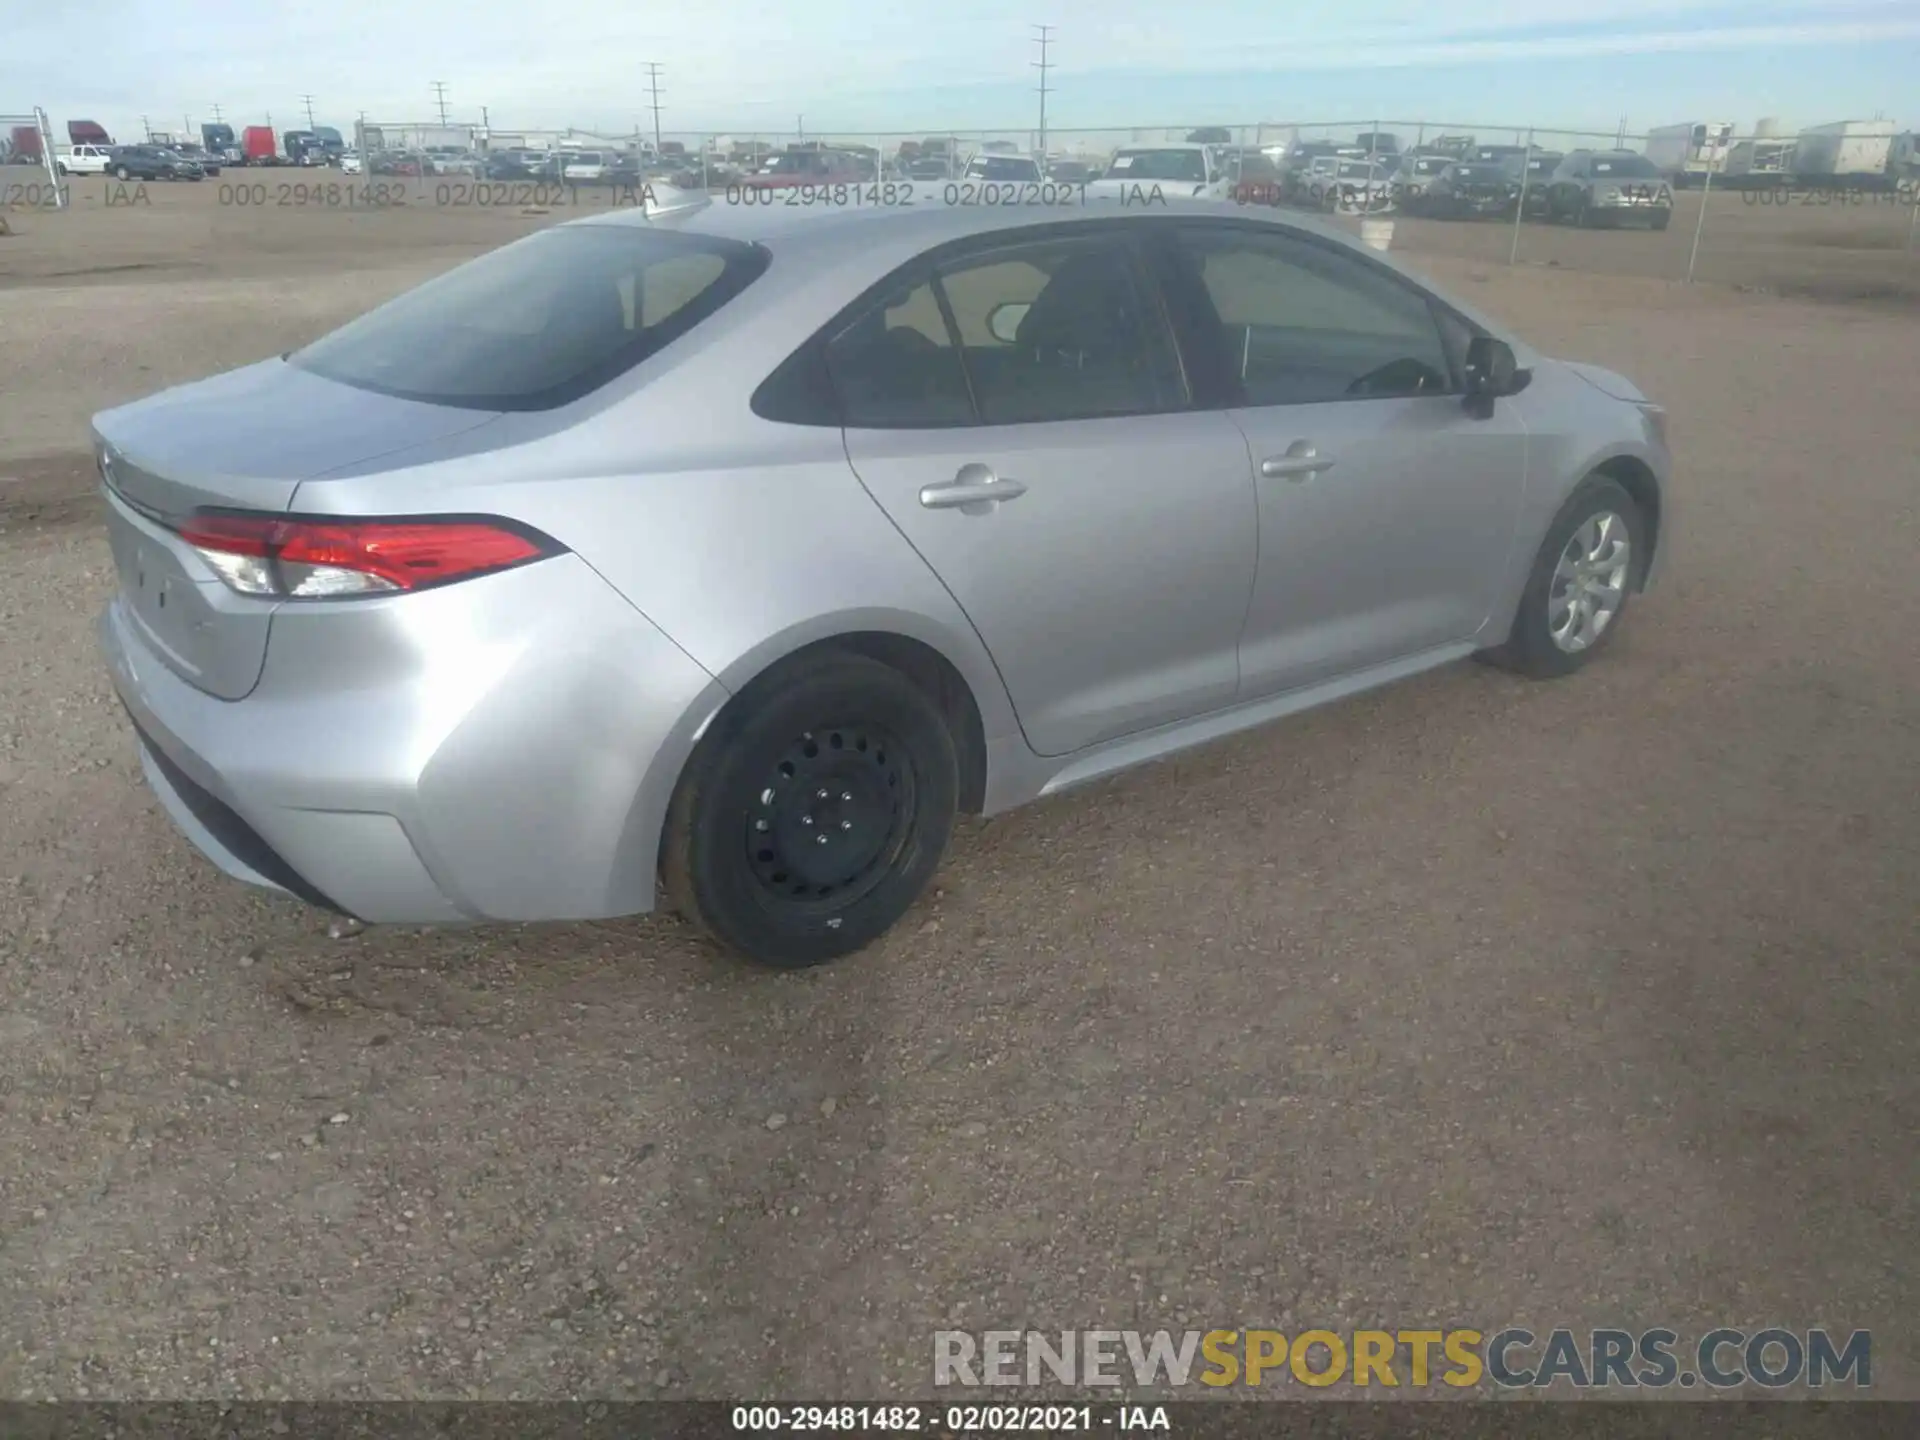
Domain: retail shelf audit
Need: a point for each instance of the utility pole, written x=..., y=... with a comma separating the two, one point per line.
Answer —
x=440, y=94
x=307, y=100
x=216, y=114
x=653, y=85
x=800, y=124
x=1043, y=40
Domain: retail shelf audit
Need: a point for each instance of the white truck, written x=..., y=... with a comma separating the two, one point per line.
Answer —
x=84, y=160
x=1687, y=152
x=1755, y=164
x=1853, y=150
x=1136, y=173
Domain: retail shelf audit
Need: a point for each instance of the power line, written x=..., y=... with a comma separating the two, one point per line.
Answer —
x=440, y=94
x=653, y=86
x=1043, y=40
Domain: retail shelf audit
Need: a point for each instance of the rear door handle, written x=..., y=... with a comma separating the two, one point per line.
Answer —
x=1300, y=462
x=974, y=489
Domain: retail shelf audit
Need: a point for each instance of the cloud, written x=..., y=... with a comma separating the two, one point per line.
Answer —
x=729, y=63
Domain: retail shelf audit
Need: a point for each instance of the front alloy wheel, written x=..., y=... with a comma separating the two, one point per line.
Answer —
x=1589, y=582
x=1583, y=575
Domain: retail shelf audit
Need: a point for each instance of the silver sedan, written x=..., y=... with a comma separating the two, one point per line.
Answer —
x=717, y=559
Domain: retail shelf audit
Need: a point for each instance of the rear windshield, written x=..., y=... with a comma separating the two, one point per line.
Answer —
x=1002, y=167
x=1626, y=167
x=1479, y=174
x=1158, y=165
x=540, y=322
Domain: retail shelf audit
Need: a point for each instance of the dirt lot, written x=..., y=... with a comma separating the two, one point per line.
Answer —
x=1472, y=1002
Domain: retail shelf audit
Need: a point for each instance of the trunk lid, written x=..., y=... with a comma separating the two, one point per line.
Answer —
x=244, y=440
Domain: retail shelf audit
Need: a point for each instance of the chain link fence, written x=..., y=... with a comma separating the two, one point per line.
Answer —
x=1829, y=213
x=30, y=174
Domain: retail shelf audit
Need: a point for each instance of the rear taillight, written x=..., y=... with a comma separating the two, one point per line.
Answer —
x=283, y=557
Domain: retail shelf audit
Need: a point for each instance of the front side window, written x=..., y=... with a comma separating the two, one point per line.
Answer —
x=1301, y=323
x=540, y=322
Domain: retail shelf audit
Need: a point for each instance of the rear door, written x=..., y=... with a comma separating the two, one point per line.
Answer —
x=1386, y=510
x=1021, y=414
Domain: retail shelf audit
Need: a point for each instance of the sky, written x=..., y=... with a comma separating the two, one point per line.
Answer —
x=863, y=65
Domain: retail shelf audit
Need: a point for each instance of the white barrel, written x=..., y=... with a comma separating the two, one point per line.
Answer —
x=1376, y=233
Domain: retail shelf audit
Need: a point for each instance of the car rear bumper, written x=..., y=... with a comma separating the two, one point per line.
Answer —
x=503, y=749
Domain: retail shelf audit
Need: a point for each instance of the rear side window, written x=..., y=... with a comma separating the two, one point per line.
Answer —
x=896, y=366
x=541, y=322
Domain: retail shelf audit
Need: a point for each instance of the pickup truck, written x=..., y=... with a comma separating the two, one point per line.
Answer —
x=1176, y=171
x=84, y=160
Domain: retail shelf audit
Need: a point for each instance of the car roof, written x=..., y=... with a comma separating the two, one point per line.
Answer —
x=865, y=236
x=1169, y=145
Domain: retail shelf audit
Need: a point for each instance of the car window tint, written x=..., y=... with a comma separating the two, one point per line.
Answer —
x=1302, y=323
x=540, y=322
x=896, y=366
x=1061, y=330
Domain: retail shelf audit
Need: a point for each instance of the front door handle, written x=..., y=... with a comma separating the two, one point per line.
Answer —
x=1302, y=461
x=974, y=490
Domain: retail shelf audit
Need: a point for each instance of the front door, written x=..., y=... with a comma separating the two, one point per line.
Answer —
x=1022, y=416
x=1386, y=509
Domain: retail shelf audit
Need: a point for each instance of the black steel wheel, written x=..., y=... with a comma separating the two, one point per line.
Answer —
x=814, y=813
x=830, y=816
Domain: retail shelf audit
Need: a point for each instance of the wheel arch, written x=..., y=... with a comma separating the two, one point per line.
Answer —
x=1637, y=478
x=959, y=677
x=924, y=663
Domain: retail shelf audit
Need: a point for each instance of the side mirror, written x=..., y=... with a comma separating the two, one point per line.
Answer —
x=1492, y=372
x=1003, y=321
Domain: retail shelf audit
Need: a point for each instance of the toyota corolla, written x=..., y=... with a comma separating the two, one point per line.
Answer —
x=718, y=559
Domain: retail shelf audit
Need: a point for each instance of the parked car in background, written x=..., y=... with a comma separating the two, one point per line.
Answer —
x=351, y=163
x=1185, y=171
x=1257, y=180
x=1609, y=187
x=928, y=167
x=1299, y=157
x=1357, y=187
x=1069, y=172
x=1415, y=176
x=1539, y=167
x=1015, y=169
x=585, y=167
x=1306, y=184
x=84, y=160
x=208, y=162
x=795, y=168
x=754, y=591
x=1377, y=142
x=1468, y=190
x=151, y=162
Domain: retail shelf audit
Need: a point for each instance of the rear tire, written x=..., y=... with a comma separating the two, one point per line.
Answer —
x=123, y=174
x=813, y=814
x=1599, y=515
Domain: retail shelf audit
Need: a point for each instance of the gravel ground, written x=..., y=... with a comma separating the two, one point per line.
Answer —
x=1470, y=1002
